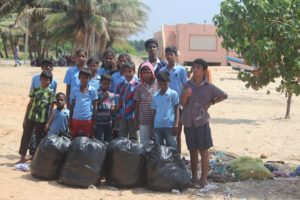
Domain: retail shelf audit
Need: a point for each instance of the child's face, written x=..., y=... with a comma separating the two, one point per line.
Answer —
x=47, y=67
x=163, y=86
x=128, y=73
x=152, y=50
x=105, y=85
x=45, y=82
x=146, y=74
x=60, y=101
x=198, y=71
x=121, y=61
x=171, y=57
x=84, y=79
x=109, y=61
x=93, y=67
x=80, y=59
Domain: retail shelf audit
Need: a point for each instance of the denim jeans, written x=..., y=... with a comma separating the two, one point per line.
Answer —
x=146, y=131
x=103, y=132
x=164, y=136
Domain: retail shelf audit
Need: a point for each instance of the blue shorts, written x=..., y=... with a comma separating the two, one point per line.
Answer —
x=198, y=137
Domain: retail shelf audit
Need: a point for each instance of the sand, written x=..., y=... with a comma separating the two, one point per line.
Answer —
x=248, y=123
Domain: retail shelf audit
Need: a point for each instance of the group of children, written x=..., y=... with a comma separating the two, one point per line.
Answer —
x=111, y=101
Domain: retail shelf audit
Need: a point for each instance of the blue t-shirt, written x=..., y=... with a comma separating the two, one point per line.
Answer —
x=83, y=108
x=178, y=77
x=72, y=79
x=164, y=107
x=95, y=82
x=36, y=83
x=101, y=71
x=116, y=79
x=60, y=122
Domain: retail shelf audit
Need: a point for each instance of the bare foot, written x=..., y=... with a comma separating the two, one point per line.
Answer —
x=202, y=182
x=22, y=160
x=29, y=157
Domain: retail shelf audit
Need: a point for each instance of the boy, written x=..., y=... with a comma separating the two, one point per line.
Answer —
x=198, y=96
x=165, y=108
x=93, y=67
x=143, y=96
x=47, y=65
x=71, y=77
x=105, y=106
x=83, y=107
x=151, y=46
x=126, y=103
x=178, y=77
x=37, y=113
x=59, y=120
x=108, y=63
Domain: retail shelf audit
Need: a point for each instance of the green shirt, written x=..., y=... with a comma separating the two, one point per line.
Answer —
x=42, y=99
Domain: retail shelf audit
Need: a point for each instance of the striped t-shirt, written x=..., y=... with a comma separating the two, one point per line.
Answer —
x=144, y=94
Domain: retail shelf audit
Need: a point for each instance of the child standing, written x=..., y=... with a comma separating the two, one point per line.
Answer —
x=105, y=106
x=143, y=96
x=37, y=113
x=59, y=120
x=197, y=97
x=165, y=107
x=83, y=107
x=126, y=103
x=71, y=77
x=108, y=63
x=93, y=67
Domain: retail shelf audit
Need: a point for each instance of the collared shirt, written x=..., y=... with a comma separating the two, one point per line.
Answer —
x=104, y=114
x=95, y=82
x=178, y=77
x=36, y=83
x=84, y=103
x=143, y=94
x=72, y=79
x=42, y=99
x=164, y=107
x=193, y=113
x=157, y=65
x=60, y=122
x=124, y=95
x=116, y=79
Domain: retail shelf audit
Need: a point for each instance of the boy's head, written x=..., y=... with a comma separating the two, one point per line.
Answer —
x=84, y=76
x=128, y=70
x=122, y=59
x=105, y=82
x=163, y=79
x=81, y=57
x=147, y=72
x=93, y=64
x=171, y=54
x=60, y=100
x=47, y=65
x=109, y=58
x=199, y=68
x=151, y=46
x=46, y=78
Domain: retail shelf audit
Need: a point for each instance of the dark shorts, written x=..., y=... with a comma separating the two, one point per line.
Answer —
x=198, y=137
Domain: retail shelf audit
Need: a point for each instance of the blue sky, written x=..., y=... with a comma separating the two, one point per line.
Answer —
x=175, y=12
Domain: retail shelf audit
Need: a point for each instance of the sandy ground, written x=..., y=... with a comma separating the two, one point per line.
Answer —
x=248, y=123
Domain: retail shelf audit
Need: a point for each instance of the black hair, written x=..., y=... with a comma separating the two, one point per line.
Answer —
x=125, y=55
x=92, y=60
x=46, y=74
x=85, y=71
x=47, y=62
x=150, y=41
x=163, y=76
x=81, y=51
x=58, y=94
x=129, y=64
x=105, y=77
x=200, y=62
x=109, y=51
x=171, y=49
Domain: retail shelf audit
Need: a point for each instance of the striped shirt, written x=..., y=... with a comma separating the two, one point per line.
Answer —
x=124, y=94
x=104, y=114
x=144, y=94
x=42, y=99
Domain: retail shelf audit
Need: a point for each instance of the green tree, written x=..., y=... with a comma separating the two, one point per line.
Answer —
x=267, y=34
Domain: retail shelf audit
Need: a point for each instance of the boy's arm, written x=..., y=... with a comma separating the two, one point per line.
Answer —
x=27, y=111
x=137, y=111
x=68, y=88
x=47, y=125
x=176, y=122
x=71, y=112
x=94, y=117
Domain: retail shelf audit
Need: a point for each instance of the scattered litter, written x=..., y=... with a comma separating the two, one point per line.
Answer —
x=22, y=167
x=174, y=191
x=227, y=196
x=92, y=187
x=285, y=178
x=112, y=188
x=208, y=188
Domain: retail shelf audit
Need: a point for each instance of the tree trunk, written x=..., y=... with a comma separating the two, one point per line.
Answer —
x=4, y=45
x=12, y=46
x=110, y=43
x=1, y=55
x=288, y=107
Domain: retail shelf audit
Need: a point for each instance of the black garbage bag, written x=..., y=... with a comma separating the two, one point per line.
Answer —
x=165, y=170
x=84, y=162
x=125, y=163
x=50, y=157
